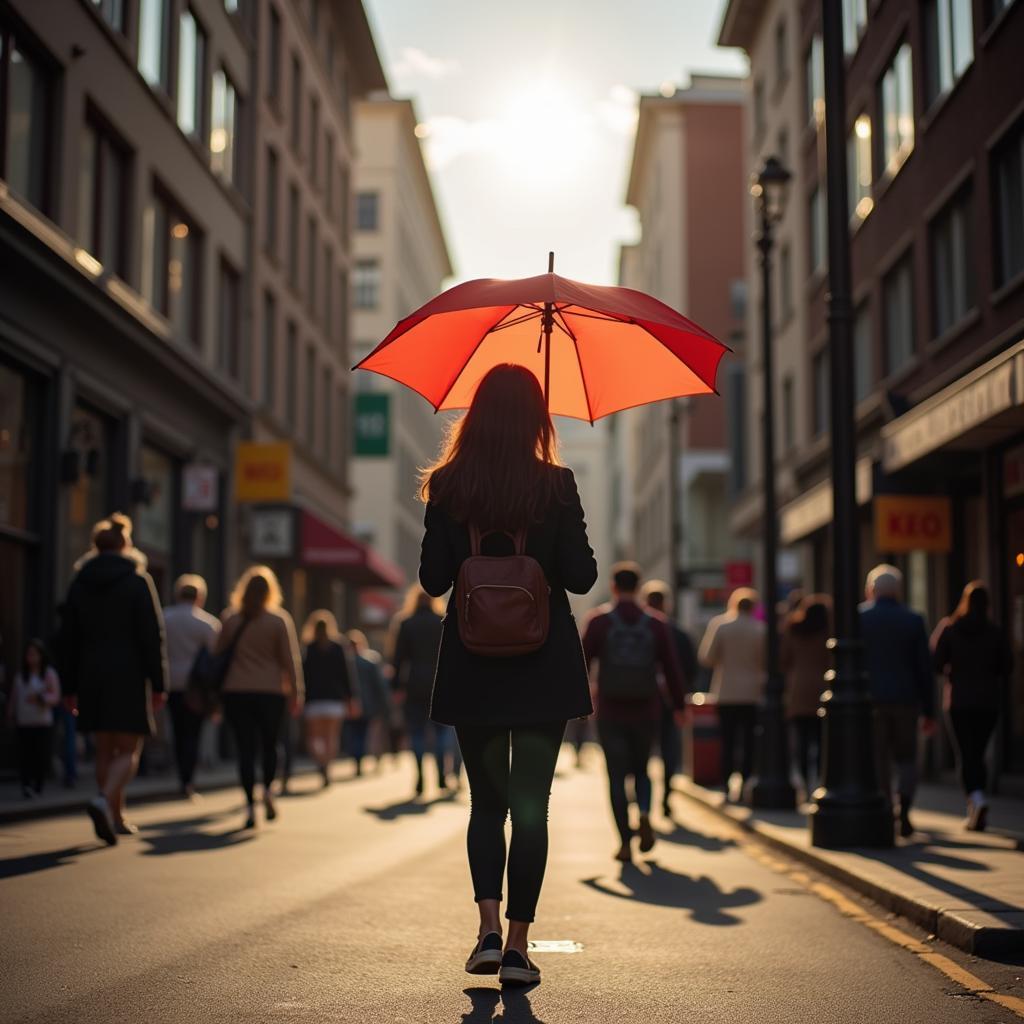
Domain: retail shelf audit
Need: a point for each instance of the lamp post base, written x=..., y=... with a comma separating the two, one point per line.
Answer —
x=770, y=787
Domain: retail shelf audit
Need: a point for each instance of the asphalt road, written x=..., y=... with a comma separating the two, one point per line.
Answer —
x=355, y=907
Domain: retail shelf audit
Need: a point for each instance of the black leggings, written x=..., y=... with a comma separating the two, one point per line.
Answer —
x=509, y=769
x=255, y=718
x=34, y=745
x=972, y=730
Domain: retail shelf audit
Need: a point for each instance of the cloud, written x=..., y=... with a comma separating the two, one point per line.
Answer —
x=413, y=62
x=447, y=138
x=618, y=111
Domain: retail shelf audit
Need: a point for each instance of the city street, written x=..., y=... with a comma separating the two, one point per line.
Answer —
x=354, y=907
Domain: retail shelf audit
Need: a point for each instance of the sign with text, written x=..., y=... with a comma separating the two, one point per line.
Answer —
x=199, y=488
x=372, y=431
x=263, y=472
x=913, y=523
x=272, y=533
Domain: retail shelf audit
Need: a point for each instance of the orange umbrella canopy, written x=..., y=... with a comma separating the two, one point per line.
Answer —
x=607, y=349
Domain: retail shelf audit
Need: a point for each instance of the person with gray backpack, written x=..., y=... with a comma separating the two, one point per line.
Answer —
x=636, y=656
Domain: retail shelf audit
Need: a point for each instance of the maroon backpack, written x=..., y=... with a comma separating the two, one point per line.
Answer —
x=502, y=605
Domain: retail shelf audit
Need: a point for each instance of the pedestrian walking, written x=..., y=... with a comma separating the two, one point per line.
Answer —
x=264, y=679
x=657, y=597
x=189, y=630
x=733, y=648
x=373, y=700
x=498, y=490
x=974, y=655
x=34, y=694
x=899, y=669
x=417, y=638
x=631, y=646
x=329, y=672
x=113, y=662
x=804, y=658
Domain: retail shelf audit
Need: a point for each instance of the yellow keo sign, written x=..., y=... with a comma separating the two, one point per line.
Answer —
x=263, y=472
x=912, y=523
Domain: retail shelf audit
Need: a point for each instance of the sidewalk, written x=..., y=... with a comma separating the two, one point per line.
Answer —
x=965, y=887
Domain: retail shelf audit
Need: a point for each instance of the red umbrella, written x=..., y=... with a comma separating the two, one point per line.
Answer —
x=595, y=350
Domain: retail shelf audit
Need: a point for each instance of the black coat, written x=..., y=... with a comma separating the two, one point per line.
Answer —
x=329, y=674
x=414, y=661
x=975, y=655
x=549, y=685
x=112, y=651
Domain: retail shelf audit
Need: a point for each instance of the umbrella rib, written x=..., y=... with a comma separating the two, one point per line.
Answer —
x=462, y=369
x=503, y=323
x=609, y=318
x=562, y=325
x=583, y=378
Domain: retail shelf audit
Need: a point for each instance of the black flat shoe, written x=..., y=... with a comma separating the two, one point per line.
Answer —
x=486, y=955
x=99, y=812
x=269, y=808
x=518, y=971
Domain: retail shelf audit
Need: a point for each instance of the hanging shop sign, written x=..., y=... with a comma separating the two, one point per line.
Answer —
x=913, y=523
x=372, y=431
x=272, y=533
x=200, y=488
x=263, y=472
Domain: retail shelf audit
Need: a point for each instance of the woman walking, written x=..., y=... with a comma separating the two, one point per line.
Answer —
x=499, y=471
x=373, y=699
x=974, y=655
x=35, y=694
x=264, y=678
x=804, y=659
x=330, y=679
x=113, y=663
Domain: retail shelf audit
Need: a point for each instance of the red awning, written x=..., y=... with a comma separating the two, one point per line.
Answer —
x=324, y=546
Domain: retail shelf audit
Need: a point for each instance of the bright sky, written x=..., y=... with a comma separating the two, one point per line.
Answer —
x=528, y=111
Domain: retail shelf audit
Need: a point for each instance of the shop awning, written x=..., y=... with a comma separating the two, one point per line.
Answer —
x=813, y=510
x=324, y=546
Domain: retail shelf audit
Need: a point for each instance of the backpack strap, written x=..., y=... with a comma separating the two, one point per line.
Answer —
x=476, y=537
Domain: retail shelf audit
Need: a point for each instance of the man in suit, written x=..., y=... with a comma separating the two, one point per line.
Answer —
x=902, y=684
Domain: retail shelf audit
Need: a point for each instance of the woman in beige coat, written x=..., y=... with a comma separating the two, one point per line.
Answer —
x=264, y=678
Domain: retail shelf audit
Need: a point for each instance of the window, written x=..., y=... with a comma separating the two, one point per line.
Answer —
x=781, y=52
x=293, y=235
x=153, y=42
x=222, y=126
x=269, y=381
x=343, y=314
x=819, y=230
x=952, y=262
x=822, y=391
x=366, y=284
x=274, y=57
x=896, y=110
x=863, y=353
x=949, y=45
x=296, y=103
x=230, y=341
x=102, y=190
x=311, y=264
x=314, y=140
x=758, y=110
x=290, y=375
x=814, y=72
x=172, y=243
x=788, y=415
x=858, y=169
x=327, y=385
x=329, y=173
x=270, y=203
x=855, y=18
x=898, y=312
x=191, y=75
x=785, y=283
x=1008, y=204
x=112, y=12
x=232, y=6
x=310, y=396
x=367, y=211
x=26, y=120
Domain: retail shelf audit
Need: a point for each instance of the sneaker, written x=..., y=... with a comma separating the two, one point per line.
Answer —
x=646, y=834
x=978, y=817
x=486, y=955
x=126, y=828
x=98, y=810
x=517, y=970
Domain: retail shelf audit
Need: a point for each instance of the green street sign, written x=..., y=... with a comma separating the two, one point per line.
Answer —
x=373, y=424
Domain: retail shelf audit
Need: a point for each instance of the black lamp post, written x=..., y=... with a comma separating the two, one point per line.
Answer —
x=770, y=786
x=850, y=809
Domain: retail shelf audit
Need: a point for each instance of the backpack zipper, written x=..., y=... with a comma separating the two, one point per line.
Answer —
x=495, y=586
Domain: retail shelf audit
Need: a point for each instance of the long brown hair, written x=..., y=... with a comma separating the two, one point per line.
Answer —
x=494, y=467
x=257, y=588
x=974, y=603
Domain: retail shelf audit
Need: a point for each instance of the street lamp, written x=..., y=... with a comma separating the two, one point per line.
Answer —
x=770, y=785
x=849, y=807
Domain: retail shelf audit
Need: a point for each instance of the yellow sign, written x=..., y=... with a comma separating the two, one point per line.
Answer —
x=912, y=523
x=263, y=472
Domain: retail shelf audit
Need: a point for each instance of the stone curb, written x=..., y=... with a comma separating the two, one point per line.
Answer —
x=980, y=940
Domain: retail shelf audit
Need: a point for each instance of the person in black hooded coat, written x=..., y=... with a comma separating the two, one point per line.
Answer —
x=113, y=664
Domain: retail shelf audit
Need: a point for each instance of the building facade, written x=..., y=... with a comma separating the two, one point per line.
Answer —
x=935, y=121
x=686, y=170
x=400, y=260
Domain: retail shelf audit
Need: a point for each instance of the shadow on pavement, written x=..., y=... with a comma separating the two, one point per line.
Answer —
x=178, y=839
x=515, y=1007
x=391, y=812
x=33, y=862
x=687, y=837
x=657, y=885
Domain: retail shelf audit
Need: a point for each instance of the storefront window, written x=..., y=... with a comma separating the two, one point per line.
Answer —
x=15, y=450
x=88, y=495
x=154, y=516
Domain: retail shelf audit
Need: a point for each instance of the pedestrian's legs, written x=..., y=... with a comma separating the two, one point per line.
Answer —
x=534, y=755
x=748, y=725
x=615, y=745
x=69, y=747
x=240, y=715
x=641, y=742
x=187, y=727
x=122, y=761
x=728, y=727
x=43, y=756
x=805, y=728
x=270, y=712
x=883, y=750
x=904, y=752
x=418, y=742
x=486, y=753
x=972, y=730
x=439, y=744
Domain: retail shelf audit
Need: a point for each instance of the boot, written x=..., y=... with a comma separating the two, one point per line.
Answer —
x=419, y=777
